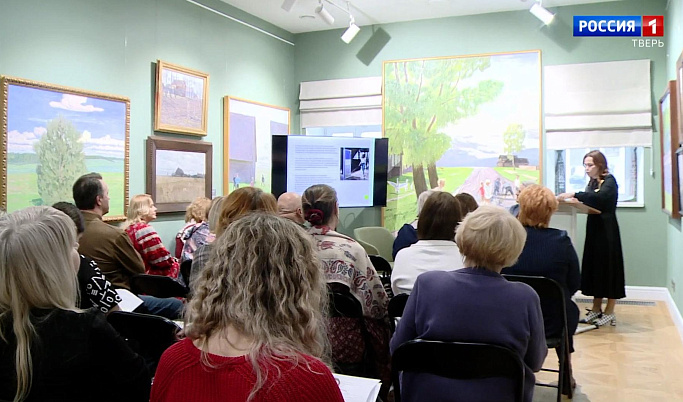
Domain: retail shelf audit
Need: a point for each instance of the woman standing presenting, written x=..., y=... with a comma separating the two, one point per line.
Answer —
x=602, y=274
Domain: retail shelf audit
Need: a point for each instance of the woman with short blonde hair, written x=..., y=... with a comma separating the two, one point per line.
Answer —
x=158, y=260
x=476, y=304
x=49, y=348
x=256, y=321
x=195, y=214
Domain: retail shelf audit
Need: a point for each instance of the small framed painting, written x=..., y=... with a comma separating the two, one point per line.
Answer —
x=181, y=100
x=178, y=171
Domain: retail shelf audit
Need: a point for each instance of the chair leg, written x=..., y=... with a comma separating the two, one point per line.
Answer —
x=561, y=374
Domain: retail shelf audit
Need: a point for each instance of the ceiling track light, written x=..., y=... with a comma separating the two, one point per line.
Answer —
x=324, y=14
x=351, y=31
x=542, y=13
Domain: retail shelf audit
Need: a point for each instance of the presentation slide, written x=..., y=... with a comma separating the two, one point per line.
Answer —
x=341, y=162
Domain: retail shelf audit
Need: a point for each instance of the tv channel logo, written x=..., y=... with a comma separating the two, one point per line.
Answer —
x=618, y=25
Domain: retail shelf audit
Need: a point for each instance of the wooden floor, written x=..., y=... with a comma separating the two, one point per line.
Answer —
x=640, y=359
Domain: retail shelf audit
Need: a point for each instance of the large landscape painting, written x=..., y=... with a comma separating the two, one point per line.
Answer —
x=461, y=124
x=52, y=135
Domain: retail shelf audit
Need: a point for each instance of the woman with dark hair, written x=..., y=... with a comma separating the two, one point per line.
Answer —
x=602, y=274
x=436, y=249
x=348, y=267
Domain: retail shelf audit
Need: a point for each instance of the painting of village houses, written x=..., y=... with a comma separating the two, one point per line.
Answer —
x=467, y=124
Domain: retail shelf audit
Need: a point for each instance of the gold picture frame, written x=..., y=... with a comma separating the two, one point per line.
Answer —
x=669, y=141
x=89, y=131
x=181, y=100
x=248, y=127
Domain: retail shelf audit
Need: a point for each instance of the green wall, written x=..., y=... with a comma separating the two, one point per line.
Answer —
x=322, y=55
x=674, y=41
x=112, y=46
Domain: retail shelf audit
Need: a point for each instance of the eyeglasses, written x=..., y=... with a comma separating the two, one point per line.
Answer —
x=588, y=165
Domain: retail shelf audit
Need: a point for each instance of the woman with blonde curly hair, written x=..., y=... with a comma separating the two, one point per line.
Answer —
x=49, y=349
x=255, y=326
x=158, y=260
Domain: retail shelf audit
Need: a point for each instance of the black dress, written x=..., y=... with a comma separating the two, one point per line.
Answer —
x=602, y=267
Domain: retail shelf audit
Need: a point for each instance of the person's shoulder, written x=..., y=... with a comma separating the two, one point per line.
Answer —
x=521, y=292
x=181, y=353
x=307, y=376
x=103, y=229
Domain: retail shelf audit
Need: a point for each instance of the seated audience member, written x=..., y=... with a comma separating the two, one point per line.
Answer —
x=158, y=260
x=236, y=204
x=94, y=289
x=289, y=206
x=49, y=349
x=467, y=203
x=195, y=214
x=435, y=249
x=202, y=253
x=255, y=326
x=346, y=263
x=110, y=247
x=548, y=252
x=476, y=304
x=514, y=209
x=407, y=235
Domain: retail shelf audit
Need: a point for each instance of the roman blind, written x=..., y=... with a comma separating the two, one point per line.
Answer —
x=343, y=102
x=593, y=105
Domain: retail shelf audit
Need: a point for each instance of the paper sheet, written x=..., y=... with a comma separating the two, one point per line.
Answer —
x=129, y=301
x=358, y=389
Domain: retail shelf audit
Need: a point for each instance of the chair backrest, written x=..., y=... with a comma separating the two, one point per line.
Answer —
x=342, y=303
x=380, y=264
x=157, y=286
x=186, y=270
x=457, y=360
x=379, y=237
x=369, y=248
x=548, y=290
x=148, y=335
x=397, y=304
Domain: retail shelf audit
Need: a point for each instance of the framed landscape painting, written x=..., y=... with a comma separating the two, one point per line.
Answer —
x=462, y=124
x=247, y=146
x=668, y=124
x=178, y=171
x=51, y=135
x=181, y=99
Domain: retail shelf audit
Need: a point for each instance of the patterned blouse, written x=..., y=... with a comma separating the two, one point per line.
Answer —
x=158, y=260
x=197, y=236
x=96, y=291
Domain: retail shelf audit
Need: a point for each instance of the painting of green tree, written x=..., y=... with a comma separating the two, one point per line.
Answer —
x=461, y=124
x=55, y=135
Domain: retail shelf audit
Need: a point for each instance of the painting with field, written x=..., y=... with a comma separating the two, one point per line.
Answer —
x=181, y=99
x=178, y=171
x=461, y=124
x=52, y=135
x=180, y=176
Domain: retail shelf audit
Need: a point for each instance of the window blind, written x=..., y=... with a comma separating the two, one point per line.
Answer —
x=343, y=102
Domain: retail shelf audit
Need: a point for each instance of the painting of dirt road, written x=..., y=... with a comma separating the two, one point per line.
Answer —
x=464, y=124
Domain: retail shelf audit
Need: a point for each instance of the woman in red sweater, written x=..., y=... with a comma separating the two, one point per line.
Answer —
x=158, y=260
x=255, y=326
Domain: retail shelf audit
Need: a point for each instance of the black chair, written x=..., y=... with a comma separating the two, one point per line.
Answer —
x=396, y=306
x=549, y=289
x=185, y=271
x=342, y=304
x=157, y=286
x=148, y=335
x=381, y=265
x=457, y=360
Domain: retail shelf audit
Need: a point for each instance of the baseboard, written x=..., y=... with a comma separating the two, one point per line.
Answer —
x=654, y=293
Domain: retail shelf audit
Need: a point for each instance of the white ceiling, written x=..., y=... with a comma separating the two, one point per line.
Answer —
x=302, y=17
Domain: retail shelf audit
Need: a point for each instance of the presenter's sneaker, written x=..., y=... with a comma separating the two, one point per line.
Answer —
x=590, y=317
x=605, y=319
